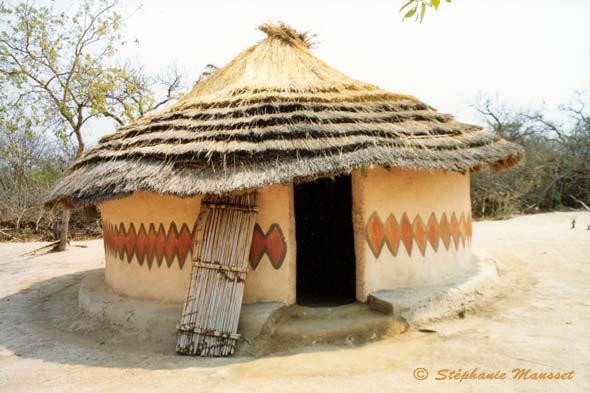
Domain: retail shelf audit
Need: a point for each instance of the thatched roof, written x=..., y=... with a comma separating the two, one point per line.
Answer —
x=275, y=114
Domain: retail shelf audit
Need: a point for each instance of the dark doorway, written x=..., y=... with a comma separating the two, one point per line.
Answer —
x=325, y=242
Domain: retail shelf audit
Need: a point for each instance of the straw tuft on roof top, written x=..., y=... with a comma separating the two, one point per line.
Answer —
x=287, y=33
x=275, y=114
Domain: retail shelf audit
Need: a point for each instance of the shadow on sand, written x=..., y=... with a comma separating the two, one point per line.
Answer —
x=45, y=322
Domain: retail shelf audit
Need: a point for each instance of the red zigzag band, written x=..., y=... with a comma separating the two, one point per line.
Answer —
x=392, y=233
x=151, y=245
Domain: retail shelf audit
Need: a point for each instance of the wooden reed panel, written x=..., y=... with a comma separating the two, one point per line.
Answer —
x=209, y=322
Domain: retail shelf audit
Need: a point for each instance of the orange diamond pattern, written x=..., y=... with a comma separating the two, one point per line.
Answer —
x=435, y=232
x=272, y=243
x=149, y=246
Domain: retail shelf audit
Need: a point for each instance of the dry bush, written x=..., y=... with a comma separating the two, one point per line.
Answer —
x=30, y=161
x=556, y=171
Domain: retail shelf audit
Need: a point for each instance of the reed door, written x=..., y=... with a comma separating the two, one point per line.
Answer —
x=209, y=321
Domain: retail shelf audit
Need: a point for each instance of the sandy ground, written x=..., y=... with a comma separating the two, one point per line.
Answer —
x=539, y=320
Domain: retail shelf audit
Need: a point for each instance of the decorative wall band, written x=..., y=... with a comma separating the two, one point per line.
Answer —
x=393, y=233
x=151, y=245
x=272, y=243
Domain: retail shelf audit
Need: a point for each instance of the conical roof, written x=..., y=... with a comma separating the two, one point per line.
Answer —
x=275, y=114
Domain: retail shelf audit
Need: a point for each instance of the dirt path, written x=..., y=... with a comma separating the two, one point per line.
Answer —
x=539, y=321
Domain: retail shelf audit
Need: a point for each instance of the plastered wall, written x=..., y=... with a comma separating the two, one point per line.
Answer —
x=272, y=274
x=149, y=241
x=411, y=227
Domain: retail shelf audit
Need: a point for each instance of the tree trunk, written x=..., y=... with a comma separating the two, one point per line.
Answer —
x=39, y=220
x=79, y=139
x=63, y=236
x=65, y=220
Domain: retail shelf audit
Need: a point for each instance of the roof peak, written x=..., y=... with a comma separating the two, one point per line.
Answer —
x=284, y=32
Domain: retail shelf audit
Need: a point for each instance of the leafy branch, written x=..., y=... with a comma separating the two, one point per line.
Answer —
x=417, y=8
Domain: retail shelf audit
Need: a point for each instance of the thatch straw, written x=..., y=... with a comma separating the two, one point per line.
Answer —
x=276, y=114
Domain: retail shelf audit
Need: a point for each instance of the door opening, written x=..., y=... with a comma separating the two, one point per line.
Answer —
x=326, y=273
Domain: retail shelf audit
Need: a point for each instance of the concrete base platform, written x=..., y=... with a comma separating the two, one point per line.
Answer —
x=350, y=324
x=421, y=304
x=265, y=327
x=157, y=321
x=274, y=327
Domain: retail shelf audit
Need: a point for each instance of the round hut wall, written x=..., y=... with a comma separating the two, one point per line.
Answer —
x=410, y=228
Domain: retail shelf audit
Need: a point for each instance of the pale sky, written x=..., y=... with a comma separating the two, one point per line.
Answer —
x=526, y=52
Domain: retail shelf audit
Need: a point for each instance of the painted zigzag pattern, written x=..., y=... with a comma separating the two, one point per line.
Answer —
x=435, y=231
x=151, y=245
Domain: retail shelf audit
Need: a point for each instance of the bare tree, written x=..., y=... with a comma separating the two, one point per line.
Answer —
x=28, y=162
x=557, y=167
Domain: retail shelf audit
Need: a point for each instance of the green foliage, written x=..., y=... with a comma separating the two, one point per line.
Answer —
x=57, y=71
x=417, y=8
x=65, y=61
x=45, y=175
x=555, y=197
x=31, y=159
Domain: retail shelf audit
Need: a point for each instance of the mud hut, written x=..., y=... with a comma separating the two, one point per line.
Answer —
x=358, y=189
